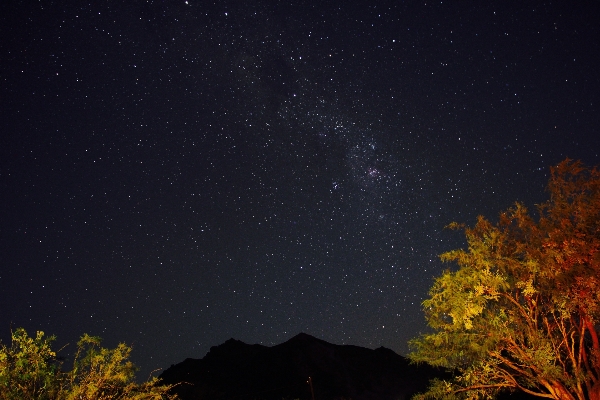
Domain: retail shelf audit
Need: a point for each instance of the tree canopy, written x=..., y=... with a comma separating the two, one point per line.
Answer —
x=30, y=370
x=522, y=310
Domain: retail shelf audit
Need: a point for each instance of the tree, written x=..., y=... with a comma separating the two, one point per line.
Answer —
x=522, y=311
x=29, y=370
x=100, y=373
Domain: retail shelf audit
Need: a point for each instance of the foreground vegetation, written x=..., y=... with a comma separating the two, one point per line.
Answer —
x=522, y=311
x=30, y=370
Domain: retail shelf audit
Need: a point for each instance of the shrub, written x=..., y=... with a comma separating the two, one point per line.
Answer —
x=30, y=370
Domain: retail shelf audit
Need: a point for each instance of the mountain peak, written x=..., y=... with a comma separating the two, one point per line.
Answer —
x=303, y=336
x=238, y=370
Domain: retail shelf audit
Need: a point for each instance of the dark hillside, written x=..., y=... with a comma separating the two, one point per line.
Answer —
x=235, y=370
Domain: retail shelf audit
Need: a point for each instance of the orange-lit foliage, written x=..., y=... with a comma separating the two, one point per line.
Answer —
x=523, y=309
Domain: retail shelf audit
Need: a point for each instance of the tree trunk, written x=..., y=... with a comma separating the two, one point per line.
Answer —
x=595, y=393
x=560, y=393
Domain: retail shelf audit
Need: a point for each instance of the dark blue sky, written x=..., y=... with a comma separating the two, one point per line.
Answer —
x=173, y=174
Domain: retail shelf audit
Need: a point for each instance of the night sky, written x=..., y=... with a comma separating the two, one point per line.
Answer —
x=177, y=173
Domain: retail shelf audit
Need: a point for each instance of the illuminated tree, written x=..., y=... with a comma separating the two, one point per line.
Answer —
x=522, y=311
x=100, y=373
x=29, y=370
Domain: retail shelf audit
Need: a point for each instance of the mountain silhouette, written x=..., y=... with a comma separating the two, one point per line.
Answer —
x=236, y=370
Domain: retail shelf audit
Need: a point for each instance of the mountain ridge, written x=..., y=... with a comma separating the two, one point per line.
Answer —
x=243, y=371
